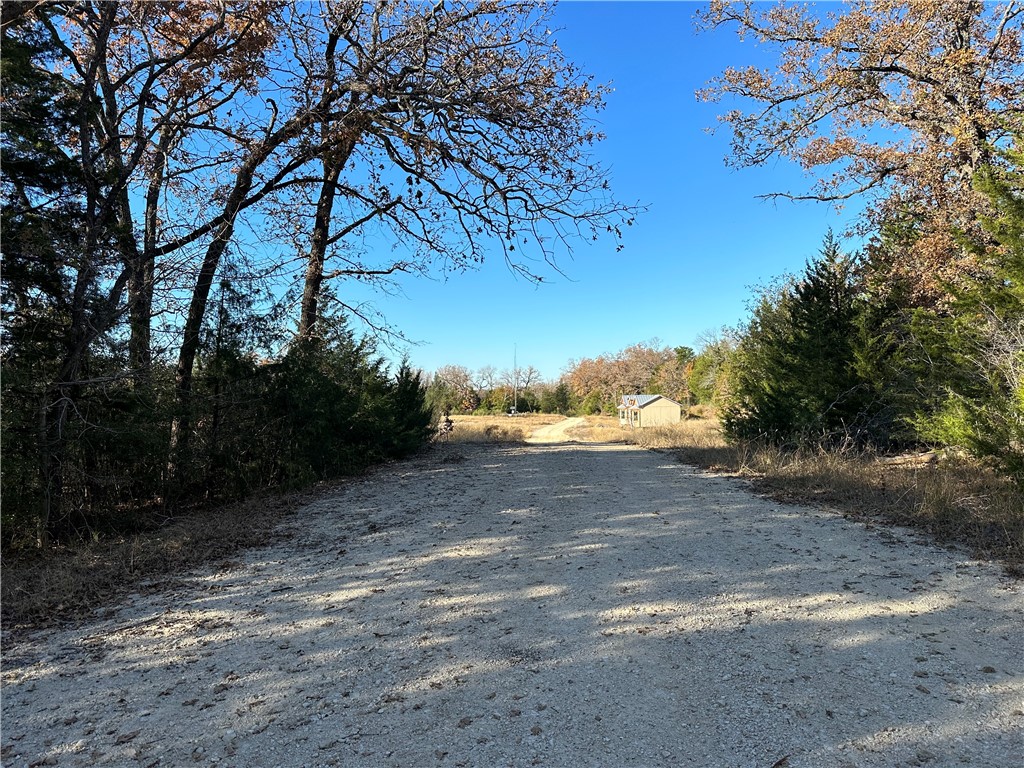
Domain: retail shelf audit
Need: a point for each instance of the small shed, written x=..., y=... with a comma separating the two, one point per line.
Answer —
x=649, y=411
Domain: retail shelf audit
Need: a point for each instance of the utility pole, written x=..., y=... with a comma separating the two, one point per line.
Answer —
x=515, y=379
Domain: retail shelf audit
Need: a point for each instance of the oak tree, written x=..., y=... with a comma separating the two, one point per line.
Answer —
x=453, y=130
x=371, y=138
x=900, y=101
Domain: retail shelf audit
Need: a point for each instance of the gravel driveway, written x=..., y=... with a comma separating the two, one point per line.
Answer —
x=551, y=605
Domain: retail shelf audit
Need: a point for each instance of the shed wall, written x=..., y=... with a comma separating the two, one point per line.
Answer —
x=660, y=413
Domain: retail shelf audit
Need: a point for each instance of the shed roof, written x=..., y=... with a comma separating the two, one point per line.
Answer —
x=639, y=401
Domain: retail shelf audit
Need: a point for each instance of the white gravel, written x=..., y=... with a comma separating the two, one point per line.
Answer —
x=548, y=605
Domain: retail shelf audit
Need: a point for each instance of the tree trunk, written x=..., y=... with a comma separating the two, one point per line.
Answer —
x=140, y=308
x=140, y=289
x=59, y=398
x=318, y=252
x=51, y=464
x=182, y=422
x=140, y=266
x=320, y=239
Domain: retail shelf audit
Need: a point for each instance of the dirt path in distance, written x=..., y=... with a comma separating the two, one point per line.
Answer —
x=551, y=605
x=557, y=432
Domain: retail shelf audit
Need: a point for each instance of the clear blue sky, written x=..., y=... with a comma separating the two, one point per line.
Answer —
x=705, y=234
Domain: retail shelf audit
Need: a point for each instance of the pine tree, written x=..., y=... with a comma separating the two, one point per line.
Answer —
x=824, y=317
x=982, y=408
x=794, y=377
x=40, y=222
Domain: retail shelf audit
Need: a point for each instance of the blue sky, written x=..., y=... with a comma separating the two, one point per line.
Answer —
x=705, y=234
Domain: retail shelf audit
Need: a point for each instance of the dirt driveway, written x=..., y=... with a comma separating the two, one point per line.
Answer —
x=552, y=605
x=557, y=432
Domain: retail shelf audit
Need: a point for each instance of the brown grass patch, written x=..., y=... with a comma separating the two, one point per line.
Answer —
x=42, y=588
x=498, y=428
x=599, y=429
x=955, y=501
x=703, y=436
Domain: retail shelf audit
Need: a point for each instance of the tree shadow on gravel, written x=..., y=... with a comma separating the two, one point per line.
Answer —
x=547, y=605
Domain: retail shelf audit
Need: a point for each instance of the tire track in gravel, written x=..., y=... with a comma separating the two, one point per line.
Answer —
x=555, y=605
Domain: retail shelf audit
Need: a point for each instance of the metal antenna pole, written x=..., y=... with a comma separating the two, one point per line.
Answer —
x=515, y=379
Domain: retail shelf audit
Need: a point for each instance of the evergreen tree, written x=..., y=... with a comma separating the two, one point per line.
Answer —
x=795, y=376
x=982, y=338
x=412, y=421
x=762, y=399
x=709, y=370
x=557, y=399
x=822, y=350
x=40, y=236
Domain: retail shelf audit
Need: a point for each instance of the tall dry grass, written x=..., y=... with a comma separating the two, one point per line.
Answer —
x=499, y=428
x=956, y=501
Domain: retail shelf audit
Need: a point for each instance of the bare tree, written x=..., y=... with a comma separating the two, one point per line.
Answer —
x=528, y=376
x=635, y=366
x=462, y=127
x=154, y=80
x=452, y=129
x=137, y=73
x=487, y=378
x=457, y=382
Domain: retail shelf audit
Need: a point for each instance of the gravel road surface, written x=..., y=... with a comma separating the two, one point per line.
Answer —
x=551, y=605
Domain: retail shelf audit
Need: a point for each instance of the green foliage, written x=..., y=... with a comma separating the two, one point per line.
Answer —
x=42, y=215
x=442, y=397
x=327, y=408
x=445, y=396
x=592, y=404
x=321, y=410
x=684, y=354
x=527, y=401
x=502, y=399
x=708, y=370
x=496, y=400
x=409, y=420
x=764, y=398
x=795, y=376
x=981, y=340
x=884, y=359
x=558, y=399
x=40, y=223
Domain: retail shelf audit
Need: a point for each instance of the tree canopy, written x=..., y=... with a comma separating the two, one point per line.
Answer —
x=900, y=102
x=203, y=150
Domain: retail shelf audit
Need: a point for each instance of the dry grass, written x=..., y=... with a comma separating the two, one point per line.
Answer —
x=955, y=501
x=498, y=428
x=702, y=436
x=600, y=429
x=43, y=588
